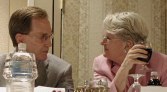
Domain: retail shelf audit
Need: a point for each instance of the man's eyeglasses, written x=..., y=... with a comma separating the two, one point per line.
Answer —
x=43, y=37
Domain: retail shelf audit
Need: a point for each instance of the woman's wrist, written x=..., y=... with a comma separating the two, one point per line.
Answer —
x=126, y=66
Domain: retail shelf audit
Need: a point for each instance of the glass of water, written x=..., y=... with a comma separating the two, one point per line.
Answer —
x=135, y=87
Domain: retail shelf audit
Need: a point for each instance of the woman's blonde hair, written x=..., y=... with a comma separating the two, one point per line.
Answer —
x=127, y=25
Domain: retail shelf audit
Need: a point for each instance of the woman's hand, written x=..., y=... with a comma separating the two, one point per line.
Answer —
x=135, y=52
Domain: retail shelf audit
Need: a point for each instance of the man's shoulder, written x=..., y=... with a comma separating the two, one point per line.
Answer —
x=56, y=60
x=2, y=56
x=57, y=64
x=2, y=59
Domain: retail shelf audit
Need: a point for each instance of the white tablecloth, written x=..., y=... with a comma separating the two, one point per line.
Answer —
x=40, y=89
x=153, y=89
x=49, y=89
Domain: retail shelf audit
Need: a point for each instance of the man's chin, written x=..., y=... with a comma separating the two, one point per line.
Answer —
x=42, y=58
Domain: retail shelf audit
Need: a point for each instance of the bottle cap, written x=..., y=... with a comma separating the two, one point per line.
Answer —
x=154, y=73
x=22, y=46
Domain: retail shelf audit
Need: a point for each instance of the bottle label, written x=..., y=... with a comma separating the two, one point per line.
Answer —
x=21, y=68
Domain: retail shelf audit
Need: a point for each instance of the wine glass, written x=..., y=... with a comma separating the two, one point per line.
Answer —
x=148, y=48
x=99, y=85
x=135, y=87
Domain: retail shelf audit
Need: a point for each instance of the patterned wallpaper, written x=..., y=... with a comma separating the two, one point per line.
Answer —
x=158, y=32
x=70, y=43
x=82, y=30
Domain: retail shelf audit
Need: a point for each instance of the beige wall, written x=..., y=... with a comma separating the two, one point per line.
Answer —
x=4, y=17
x=6, y=8
x=57, y=28
x=16, y=4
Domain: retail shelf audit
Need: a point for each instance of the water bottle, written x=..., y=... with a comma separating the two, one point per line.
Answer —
x=20, y=71
x=154, y=79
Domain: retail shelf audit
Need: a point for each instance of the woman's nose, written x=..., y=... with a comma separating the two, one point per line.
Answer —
x=104, y=41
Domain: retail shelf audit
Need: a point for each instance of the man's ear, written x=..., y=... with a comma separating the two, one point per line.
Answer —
x=19, y=38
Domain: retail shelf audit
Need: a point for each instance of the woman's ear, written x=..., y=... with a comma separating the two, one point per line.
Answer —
x=19, y=38
x=129, y=44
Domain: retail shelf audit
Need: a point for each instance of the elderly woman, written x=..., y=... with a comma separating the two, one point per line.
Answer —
x=123, y=32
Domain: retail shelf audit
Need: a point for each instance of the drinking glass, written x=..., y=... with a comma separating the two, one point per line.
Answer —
x=135, y=87
x=99, y=81
x=148, y=48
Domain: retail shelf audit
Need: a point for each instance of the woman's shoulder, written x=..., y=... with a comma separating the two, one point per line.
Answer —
x=159, y=55
x=101, y=57
x=100, y=60
x=158, y=59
